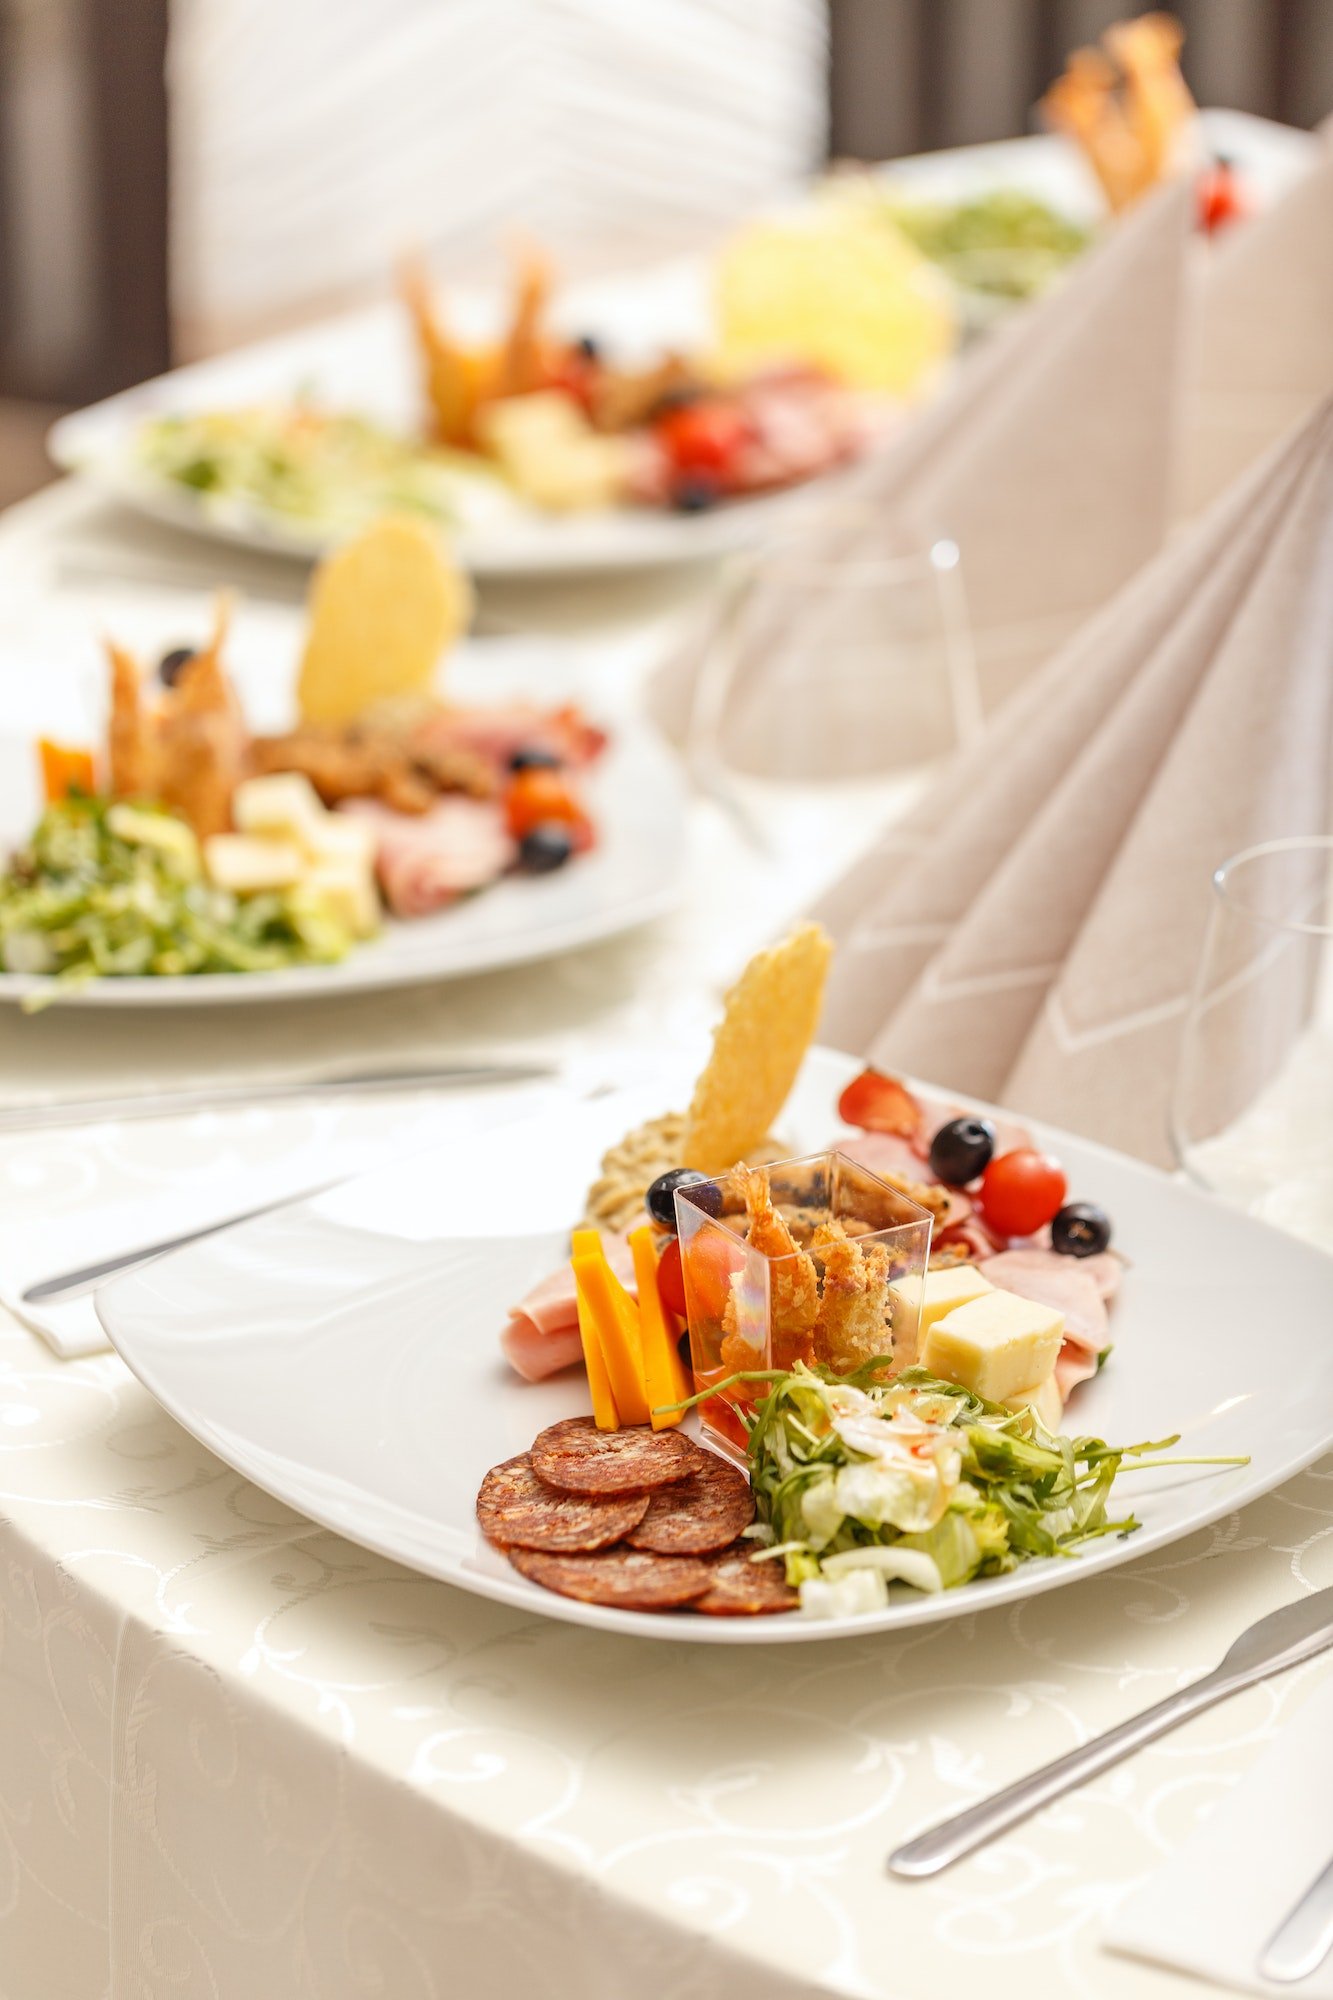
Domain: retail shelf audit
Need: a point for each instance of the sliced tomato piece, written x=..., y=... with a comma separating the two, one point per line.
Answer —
x=879, y=1103
x=540, y=794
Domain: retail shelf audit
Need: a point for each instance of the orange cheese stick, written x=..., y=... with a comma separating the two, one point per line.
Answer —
x=663, y=1370
x=65, y=769
x=616, y=1318
x=604, y=1411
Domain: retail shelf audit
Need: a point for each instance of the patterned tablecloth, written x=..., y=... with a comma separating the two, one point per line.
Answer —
x=240, y=1757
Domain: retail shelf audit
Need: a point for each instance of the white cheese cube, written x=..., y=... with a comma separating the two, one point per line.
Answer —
x=349, y=891
x=342, y=839
x=919, y=1301
x=245, y=863
x=995, y=1344
x=283, y=803
x=1045, y=1399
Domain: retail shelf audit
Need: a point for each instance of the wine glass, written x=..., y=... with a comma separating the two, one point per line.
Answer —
x=1252, y=1107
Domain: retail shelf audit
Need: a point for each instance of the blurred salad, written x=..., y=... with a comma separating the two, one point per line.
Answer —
x=105, y=891
x=312, y=466
x=860, y=1482
x=1008, y=244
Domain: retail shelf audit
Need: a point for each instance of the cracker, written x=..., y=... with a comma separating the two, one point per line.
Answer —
x=383, y=608
x=771, y=1015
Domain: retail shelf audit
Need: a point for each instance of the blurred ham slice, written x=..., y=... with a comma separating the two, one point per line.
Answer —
x=886, y=1153
x=429, y=860
x=1067, y=1287
x=937, y=1111
x=542, y=1334
x=496, y=732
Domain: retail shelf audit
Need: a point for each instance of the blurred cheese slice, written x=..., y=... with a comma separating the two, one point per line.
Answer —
x=348, y=891
x=245, y=863
x=341, y=839
x=995, y=1344
x=550, y=451
x=1045, y=1399
x=924, y=1300
x=284, y=803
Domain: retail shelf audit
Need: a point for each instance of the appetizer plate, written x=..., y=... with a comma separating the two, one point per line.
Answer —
x=364, y=362
x=343, y=1353
x=54, y=663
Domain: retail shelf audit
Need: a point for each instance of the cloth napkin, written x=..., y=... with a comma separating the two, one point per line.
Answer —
x=1259, y=334
x=1031, y=935
x=1211, y=1907
x=1049, y=462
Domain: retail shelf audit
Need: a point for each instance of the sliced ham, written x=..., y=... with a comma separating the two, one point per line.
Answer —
x=886, y=1153
x=427, y=861
x=937, y=1111
x=542, y=1334
x=495, y=732
x=1063, y=1284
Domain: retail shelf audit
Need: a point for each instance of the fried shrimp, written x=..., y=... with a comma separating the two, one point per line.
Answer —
x=793, y=1278
x=853, y=1323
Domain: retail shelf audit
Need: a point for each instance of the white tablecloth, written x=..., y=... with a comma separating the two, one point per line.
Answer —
x=242, y=1758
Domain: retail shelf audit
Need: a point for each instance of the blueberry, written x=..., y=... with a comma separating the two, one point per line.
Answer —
x=694, y=496
x=961, y=1150
x=172, y=664
x=534, y=757
x=1081, y=1229
x=660, y=1199
x=546, y=848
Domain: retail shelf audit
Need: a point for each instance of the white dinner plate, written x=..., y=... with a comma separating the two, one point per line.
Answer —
x=53, y=666
x=343, y=1353
x=364, y=361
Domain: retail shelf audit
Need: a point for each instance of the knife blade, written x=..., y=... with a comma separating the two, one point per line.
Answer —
x=1282, y=1639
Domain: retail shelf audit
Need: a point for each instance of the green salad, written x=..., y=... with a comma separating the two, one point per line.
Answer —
x=859, y=1481
x=1008, y=244
x=109, y=891
x=313, y=467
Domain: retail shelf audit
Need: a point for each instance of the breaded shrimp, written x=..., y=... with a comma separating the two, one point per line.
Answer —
x=853, y=1322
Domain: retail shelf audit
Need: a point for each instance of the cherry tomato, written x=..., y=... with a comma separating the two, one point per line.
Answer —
x=670, y=1280
x=1220, y=199
x=708, y=1263
x=879, y=1103
x=704, y=436
x=538, y=794
x=1020, y=1192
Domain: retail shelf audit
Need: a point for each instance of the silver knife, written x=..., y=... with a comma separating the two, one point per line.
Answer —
x=1304, y=1938
x=210, y=1097
x=1281, y=1640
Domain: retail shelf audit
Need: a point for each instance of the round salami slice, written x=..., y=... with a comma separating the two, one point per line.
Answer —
x=701, y=1513
x=578, y=1458
x=742, y=1588
x=517, y=1510
x=631, y=1578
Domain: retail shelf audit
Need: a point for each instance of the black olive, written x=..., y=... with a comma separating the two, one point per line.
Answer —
x=1081, y=1229
x=961, y=1150
x=534, y=757
x=590, y=349
x=172, y=664
x=694, y=496
x=546, y=848
x=660, y=1200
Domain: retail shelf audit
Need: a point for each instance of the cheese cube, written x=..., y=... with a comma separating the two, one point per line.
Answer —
x=919, y=1301
x=283, y=803
x=995, y=1344
x=1045, y=1399
x=341, y=838
x=246, y=864
x=348, y=888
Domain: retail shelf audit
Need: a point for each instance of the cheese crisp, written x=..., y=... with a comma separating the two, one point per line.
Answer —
x=382, y=610
x=771, y=1015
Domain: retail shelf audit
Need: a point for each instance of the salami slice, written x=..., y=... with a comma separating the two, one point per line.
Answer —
x=701, y=1513
x=742, y=1588
x=578, y=1458
x=631, y=1578
x=518, y=1510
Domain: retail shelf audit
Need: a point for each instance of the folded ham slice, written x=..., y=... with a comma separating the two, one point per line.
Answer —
x=428, y=860
x=542, y=1335
x=495, y=732
x=1063, y=1284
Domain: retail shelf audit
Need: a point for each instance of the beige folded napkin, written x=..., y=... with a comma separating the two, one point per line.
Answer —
x=1259, y=335
x=1049, y=462
x=1032, y=935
